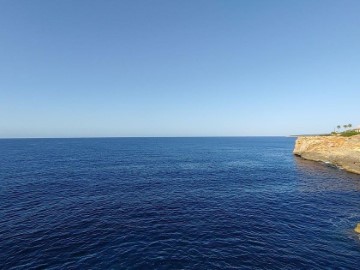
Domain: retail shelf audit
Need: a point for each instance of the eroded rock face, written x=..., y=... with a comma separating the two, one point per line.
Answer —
x=343, y=152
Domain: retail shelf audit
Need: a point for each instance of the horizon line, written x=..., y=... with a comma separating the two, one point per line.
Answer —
x=119, y=137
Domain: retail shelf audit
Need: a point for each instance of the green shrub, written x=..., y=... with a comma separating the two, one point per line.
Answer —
x=349, y=133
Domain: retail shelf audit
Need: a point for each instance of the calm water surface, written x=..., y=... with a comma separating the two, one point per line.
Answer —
x=173, y=203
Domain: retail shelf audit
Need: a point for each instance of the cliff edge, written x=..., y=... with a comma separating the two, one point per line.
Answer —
x=343, y=152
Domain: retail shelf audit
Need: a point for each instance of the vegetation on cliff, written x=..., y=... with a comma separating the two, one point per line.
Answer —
x=347, y=132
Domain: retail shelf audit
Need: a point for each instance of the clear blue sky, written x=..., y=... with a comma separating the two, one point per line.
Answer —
x=178, y=68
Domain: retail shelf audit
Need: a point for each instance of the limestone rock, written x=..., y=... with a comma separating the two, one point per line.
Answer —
x=343, y=152
x=357, y=228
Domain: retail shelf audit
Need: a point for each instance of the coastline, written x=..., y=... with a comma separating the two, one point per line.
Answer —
x=342, y=152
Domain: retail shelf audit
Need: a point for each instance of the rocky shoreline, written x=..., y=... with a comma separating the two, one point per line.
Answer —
x=343, y=152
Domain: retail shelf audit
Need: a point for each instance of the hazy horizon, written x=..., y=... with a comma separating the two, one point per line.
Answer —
x=178, y=68
x=144, y=137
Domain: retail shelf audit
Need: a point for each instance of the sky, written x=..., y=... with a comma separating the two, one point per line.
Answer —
x=178, y=68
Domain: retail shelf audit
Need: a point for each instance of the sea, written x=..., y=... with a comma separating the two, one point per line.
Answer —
x=173, y=203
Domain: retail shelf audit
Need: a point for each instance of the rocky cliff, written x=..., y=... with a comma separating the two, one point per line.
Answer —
x=343, y=152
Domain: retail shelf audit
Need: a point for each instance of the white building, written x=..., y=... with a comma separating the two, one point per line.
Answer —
x=357, y=129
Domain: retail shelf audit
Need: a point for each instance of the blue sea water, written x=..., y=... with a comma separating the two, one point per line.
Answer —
x=173, y=203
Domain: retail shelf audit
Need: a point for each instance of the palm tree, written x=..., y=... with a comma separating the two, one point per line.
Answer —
x=349, y=125
x=338, y=127
x=345, y=126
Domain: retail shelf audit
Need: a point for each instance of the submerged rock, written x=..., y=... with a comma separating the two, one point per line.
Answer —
x=343, y=152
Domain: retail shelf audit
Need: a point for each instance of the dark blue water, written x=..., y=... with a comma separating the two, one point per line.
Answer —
x=173, y=203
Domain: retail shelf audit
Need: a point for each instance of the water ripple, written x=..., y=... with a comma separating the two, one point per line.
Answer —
x=173, y=203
